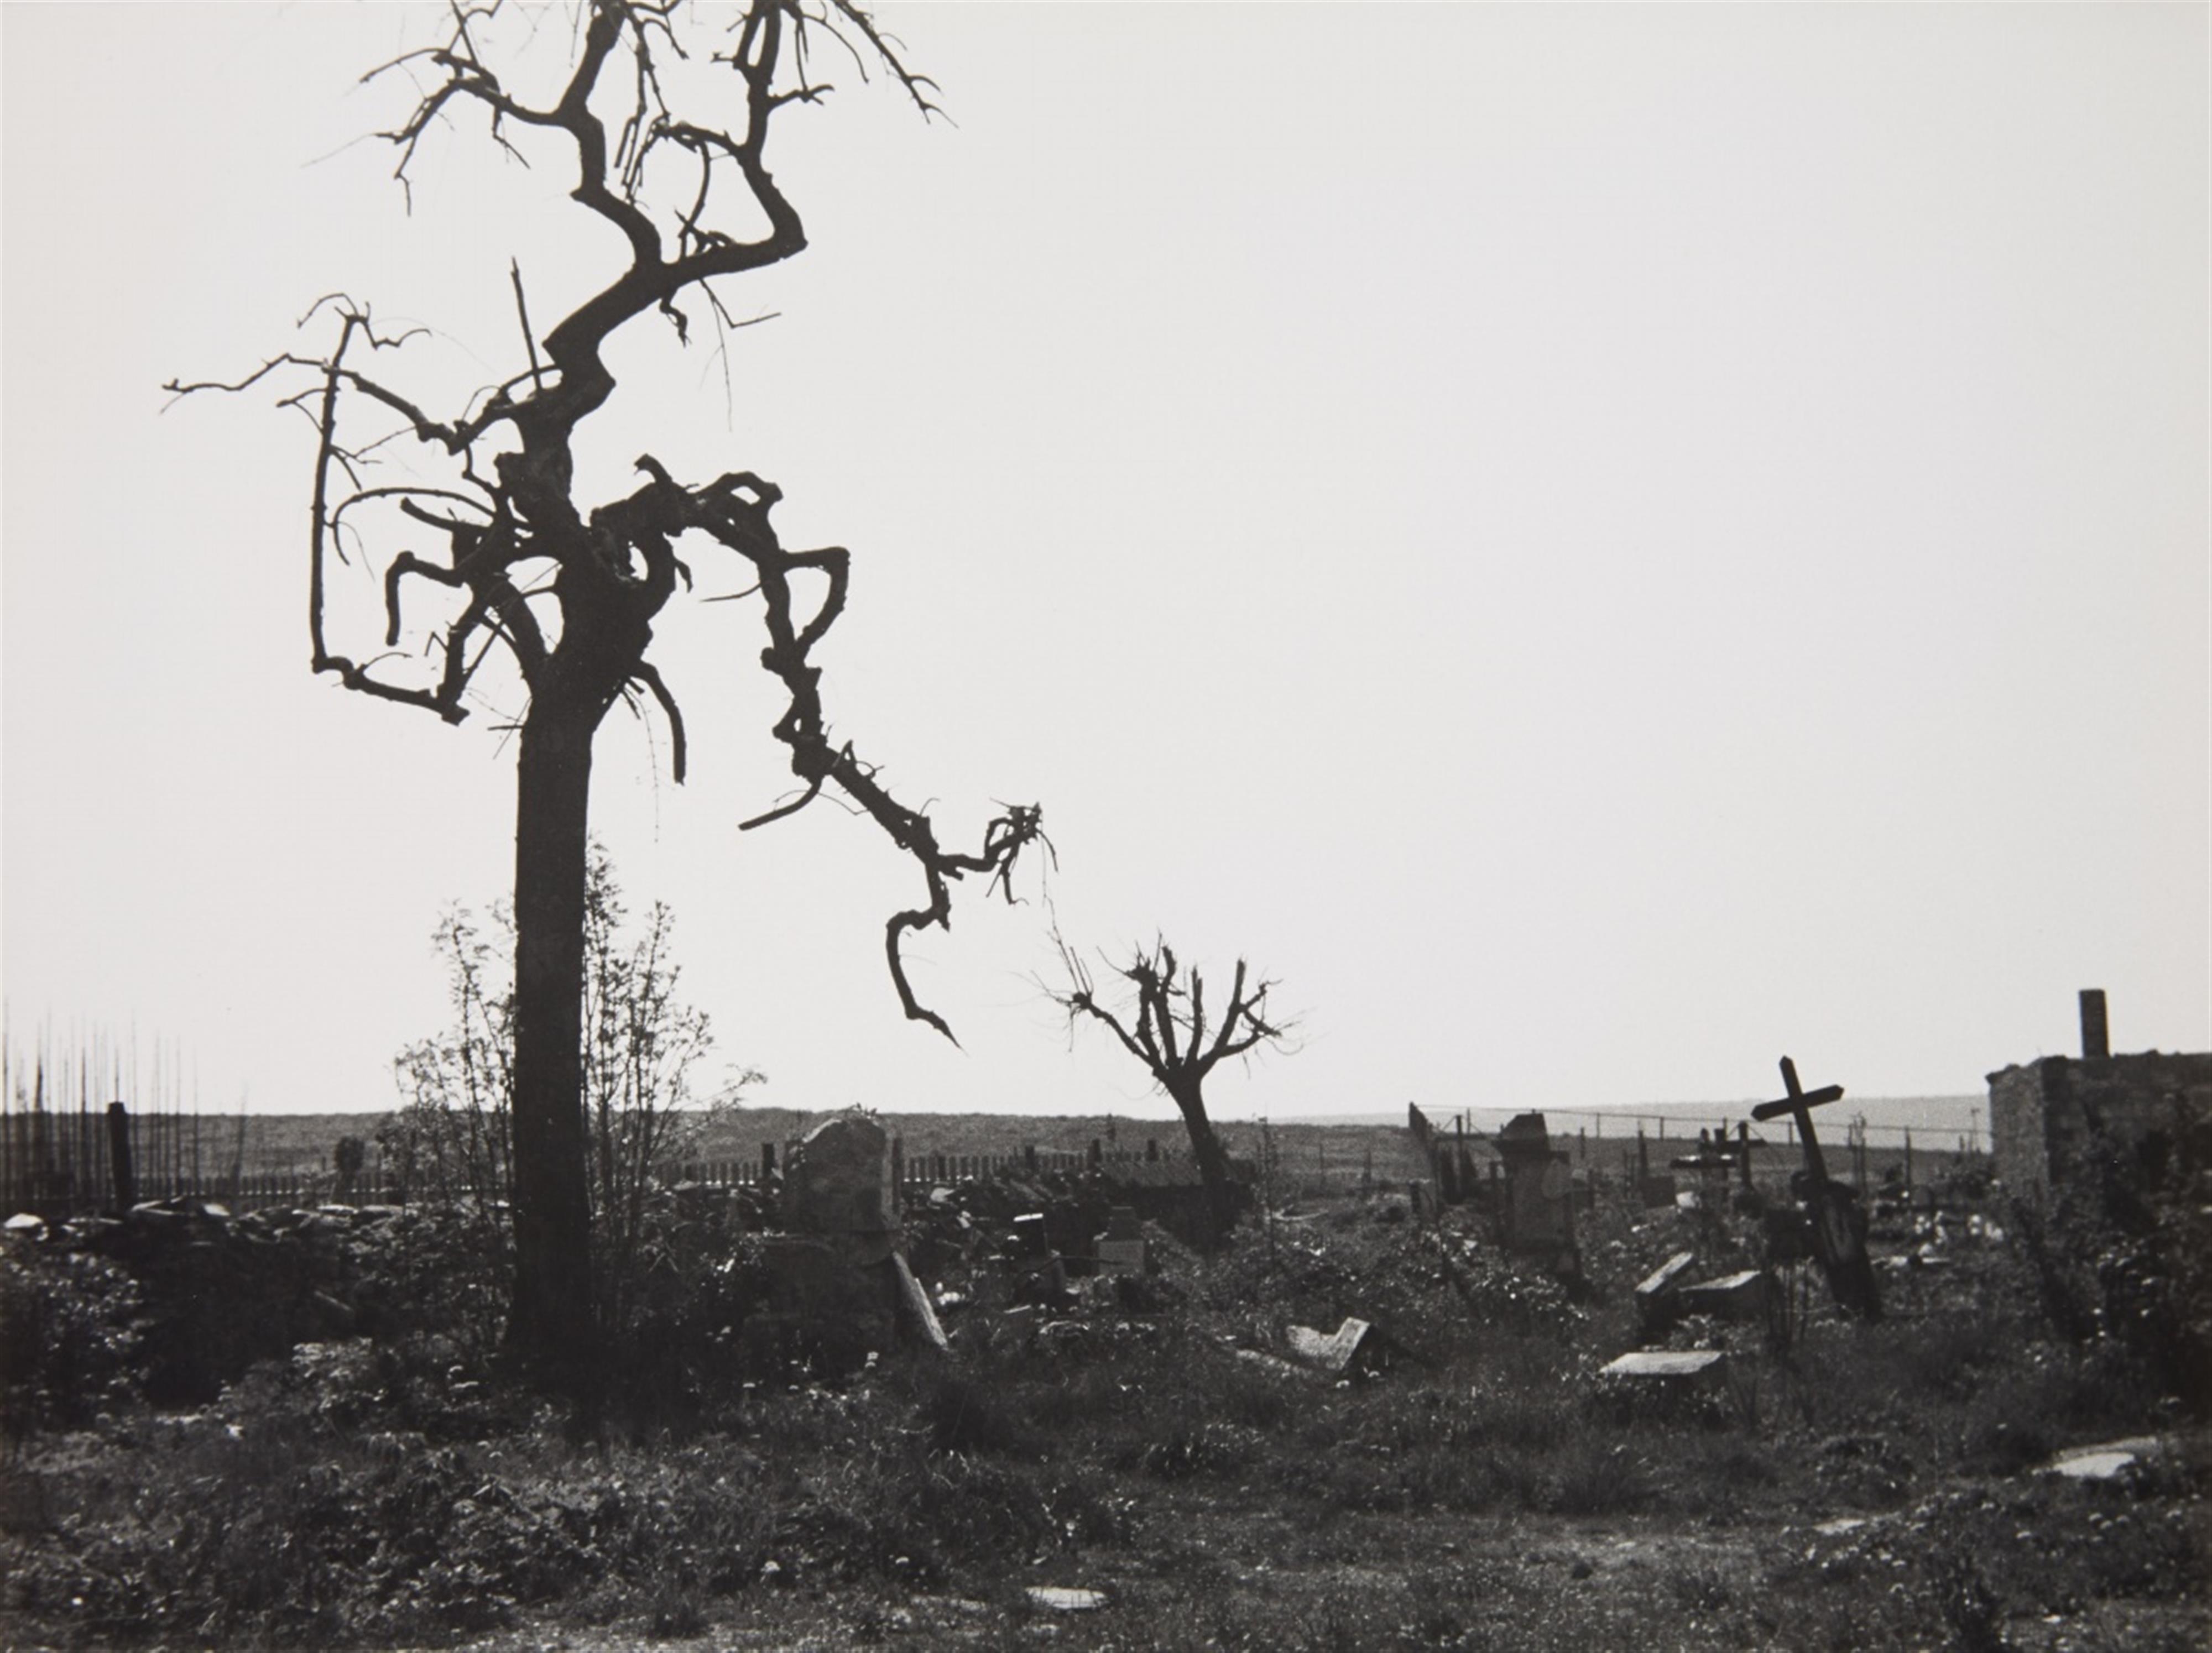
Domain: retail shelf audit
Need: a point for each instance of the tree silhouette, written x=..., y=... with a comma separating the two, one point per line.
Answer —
x=566, y=590
x=1166, y=1030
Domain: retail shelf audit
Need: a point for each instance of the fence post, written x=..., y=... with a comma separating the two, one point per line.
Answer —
x=118, y=1156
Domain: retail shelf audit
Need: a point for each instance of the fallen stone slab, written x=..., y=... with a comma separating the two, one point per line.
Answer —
x=1334, y=1352
x=1272, y=1363
x=1657, y=1304
x=1701, y=1365
x=1740, y=1297
x=1667, y=1276
x=1057, y=1598
x=915, y=1319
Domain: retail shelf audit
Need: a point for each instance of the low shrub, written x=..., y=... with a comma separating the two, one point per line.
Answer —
x=71, y=1332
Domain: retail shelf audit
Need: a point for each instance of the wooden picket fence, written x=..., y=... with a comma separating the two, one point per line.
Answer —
x=60, y=1165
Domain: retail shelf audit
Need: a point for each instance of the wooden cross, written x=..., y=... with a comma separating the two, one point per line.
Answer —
x=1799, y=1106
x=1839, y=1227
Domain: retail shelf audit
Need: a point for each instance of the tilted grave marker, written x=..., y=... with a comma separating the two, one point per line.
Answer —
x=1838, y=1226
x=1655, y=1304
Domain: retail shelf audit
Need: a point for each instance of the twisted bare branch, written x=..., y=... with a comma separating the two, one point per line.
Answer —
x=504, y=496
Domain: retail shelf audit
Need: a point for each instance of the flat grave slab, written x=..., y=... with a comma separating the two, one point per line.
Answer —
x=1667, y=1363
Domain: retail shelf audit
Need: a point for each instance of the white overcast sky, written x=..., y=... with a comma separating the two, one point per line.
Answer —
x=1599, y=545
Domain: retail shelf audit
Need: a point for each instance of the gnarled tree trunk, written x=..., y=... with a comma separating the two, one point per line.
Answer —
x=1213, y=1164
x=686, y=195
x=552, y=1202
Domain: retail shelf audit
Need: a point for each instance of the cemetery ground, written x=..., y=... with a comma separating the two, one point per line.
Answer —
x=291, y=1429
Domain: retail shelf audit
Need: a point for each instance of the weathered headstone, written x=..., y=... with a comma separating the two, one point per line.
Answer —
x=1041, y=1273
x=838, y=1182
x=1121, y=1244
x=1538, y=1214
x=837, y=1285
x=1030, y=1241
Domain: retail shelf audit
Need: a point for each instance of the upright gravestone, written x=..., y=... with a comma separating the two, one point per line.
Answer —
x=1538, y=1214
x=1121, y=1247
x=836, y=1283
x=839, y=1184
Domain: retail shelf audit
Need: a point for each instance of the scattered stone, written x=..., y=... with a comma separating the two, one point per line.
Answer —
x=1334, y=1353
x=1055, y=1598
x=2107, y=1462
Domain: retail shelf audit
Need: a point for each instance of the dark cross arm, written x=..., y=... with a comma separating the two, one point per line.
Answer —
x=1794, y=1104
x=1799, y=1104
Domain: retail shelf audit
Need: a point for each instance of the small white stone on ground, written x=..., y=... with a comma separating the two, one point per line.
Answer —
x=1060, y=1599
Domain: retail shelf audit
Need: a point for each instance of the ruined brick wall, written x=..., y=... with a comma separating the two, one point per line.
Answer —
x=2055, y=1120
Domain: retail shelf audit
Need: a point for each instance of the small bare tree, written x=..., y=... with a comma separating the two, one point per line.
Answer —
x=642, y=1043
x=1163, y=1024
x=662, y=115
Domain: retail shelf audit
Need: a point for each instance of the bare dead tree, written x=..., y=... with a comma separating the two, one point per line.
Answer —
x=1163, y=1025
x=568, y=591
